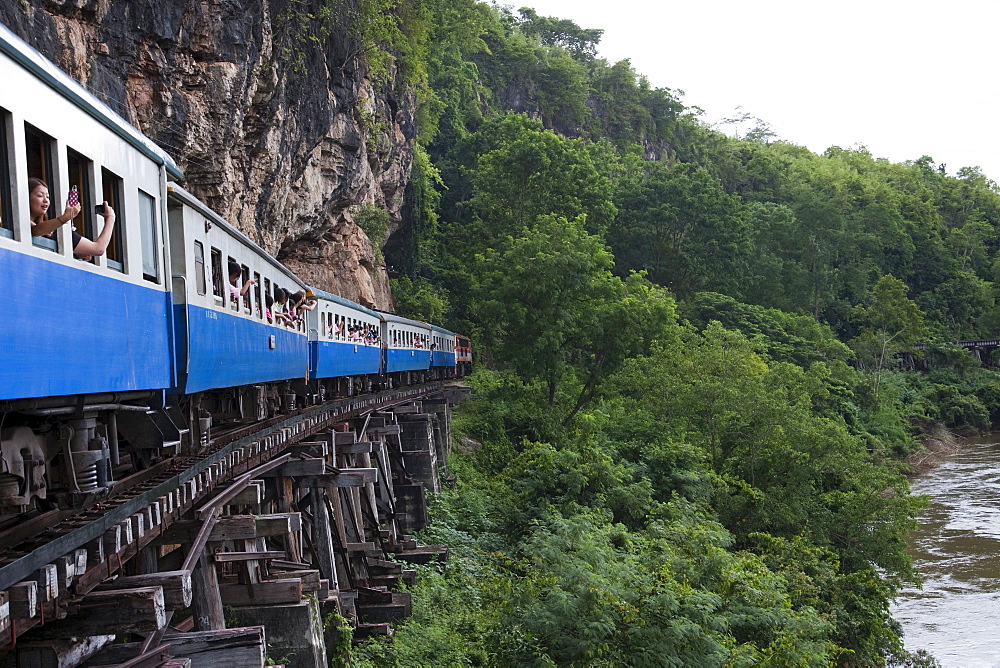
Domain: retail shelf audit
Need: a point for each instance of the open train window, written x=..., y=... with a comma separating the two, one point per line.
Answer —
x=38, y=147
x=218, y=280
x=6, y=208
x=149, y=238
x=244, y=277
x=113, y=192
x=231, y=266
x=80, y=171
x=267, y=293
x=199, y=267
x=259, y=312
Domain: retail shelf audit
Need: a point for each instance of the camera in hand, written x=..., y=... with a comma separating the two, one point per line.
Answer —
x=99, y=209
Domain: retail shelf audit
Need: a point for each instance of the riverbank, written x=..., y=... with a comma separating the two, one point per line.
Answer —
x=938, y=443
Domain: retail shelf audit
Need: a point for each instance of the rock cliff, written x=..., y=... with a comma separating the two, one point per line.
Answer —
x=271, y=116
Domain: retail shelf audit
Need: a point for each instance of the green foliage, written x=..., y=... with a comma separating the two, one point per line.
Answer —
x=339, y=654
x=555, y=313
x=533, y=172
x=890, y=324
x=678, y=225
x=579, y=42
x=419, y=299
x=374, y=222
x=638, y=491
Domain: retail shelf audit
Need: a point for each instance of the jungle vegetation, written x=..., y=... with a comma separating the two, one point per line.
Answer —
x=687, y=444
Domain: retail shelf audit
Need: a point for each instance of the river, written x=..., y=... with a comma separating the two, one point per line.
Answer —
x=956, y=616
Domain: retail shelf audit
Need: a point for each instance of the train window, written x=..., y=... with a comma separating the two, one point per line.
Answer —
x=6, y=208
x=218, y=280
x=113, y=192
x=80, y=170
x=38, y=147
x=234, y=300
x=199, y=267
x=267, y=293
x=244, y=279
x=259, y=308
x=147, y=233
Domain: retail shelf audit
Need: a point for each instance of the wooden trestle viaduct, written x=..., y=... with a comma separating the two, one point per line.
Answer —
x=235, y=555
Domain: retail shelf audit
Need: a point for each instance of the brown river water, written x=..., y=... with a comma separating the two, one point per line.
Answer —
x=956, y=549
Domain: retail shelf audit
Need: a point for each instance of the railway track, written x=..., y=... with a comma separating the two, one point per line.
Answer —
x=87, y=546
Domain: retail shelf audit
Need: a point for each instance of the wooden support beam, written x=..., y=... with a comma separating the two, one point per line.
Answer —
x=65, y=653
x=344, y=438
x=80, y=559
x=227, y=648
x=253, y=495
x=322, y=534
x=275, y=592
x=47, y=578
x=5, y=618
x=113, y=540
x=286, y=504
x=343, y=478
x=176, y=586
x=24, y=600
x=95, y=552
x=300, y=467
x=355, y=448
x=310, y=579
x=389, y=429
x=139, y=610
x=207, y=603
x=290, y=565
x=223, y=557
x=310, y=449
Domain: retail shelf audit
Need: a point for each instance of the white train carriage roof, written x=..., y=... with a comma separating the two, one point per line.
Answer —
x=442, y=330
x=337, y=299
x=392, y=317
x=46, y=71
x=176, y=192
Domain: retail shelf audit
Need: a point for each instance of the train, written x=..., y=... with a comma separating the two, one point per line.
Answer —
x=112, y=361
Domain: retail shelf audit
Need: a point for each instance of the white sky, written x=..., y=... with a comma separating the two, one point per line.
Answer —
x=904, y=78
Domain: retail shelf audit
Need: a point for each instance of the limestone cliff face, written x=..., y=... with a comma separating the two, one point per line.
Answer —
x=283, y=135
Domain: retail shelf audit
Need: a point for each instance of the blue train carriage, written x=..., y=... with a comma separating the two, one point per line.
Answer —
x=345, y=354
x=407, y=349
x=238, y=360
x=80, y=338
x=442, y=353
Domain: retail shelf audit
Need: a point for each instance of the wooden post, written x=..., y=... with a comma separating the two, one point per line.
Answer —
x=205, y=598
x=286, y=504
x=322, y=537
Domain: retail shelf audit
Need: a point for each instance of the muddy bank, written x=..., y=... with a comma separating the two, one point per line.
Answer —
x=938, y=443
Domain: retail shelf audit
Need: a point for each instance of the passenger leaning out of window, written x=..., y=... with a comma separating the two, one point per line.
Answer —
x=235, y=292
x=83, y=248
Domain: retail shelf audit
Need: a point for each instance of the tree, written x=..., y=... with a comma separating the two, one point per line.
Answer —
x=552, y=310
x=890, y=323
x=533, y=173
x=683, y=229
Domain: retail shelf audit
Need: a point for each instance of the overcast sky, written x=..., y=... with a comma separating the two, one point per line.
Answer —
x=905, y=79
